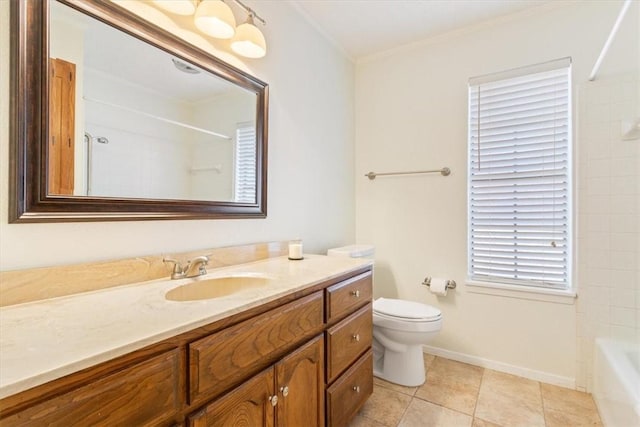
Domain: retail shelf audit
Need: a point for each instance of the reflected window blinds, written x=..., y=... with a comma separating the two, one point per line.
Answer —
x=245, y=164
x=519, y=176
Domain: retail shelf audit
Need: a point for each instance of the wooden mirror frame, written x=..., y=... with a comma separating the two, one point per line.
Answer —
x=29, y=110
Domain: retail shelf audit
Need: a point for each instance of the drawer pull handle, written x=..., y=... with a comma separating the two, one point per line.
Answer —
x=284, y=390
x=274, y=400
x=355, y=293
x=355, y=337
x=356, y=388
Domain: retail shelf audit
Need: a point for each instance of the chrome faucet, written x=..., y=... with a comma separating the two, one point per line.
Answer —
x=180, y=272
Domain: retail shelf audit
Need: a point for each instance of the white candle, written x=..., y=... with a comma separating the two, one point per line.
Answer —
x=295, y=249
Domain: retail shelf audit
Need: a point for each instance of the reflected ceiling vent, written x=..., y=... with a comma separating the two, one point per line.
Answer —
x=184, y=67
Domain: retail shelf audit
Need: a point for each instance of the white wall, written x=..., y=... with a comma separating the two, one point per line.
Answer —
x=311, y=158
x=411, y=113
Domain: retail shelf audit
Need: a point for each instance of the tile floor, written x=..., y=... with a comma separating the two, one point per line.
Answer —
x=457, y=394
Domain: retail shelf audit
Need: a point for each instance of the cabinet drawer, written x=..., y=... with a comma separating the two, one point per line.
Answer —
x=347, y=340
x=350, y=391
x=144, y=394
x=346, y=296
x=225, y=358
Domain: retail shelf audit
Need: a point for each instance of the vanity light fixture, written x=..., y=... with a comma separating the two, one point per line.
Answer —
x=249, y=41
x=179, y=7
x=215, y=18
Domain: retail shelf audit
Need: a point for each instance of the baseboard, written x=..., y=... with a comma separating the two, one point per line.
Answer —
x=531, y=374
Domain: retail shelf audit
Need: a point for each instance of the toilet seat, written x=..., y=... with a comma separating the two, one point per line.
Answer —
x=406, y=311
x=406, y=316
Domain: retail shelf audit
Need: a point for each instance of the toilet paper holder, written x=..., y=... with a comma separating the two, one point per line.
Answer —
x=450, y=284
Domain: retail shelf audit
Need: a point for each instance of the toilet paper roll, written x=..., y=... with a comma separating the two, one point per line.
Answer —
x=438, y=286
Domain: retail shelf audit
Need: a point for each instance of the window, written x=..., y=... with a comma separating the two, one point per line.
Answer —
x=519, y=176
x=245, y=171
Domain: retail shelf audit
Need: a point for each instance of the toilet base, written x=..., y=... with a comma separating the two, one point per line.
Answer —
x=403, y=368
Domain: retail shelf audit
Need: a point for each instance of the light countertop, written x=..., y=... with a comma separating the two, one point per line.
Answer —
x=45, y=340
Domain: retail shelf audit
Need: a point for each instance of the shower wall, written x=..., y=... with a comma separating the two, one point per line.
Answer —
x=608, y=234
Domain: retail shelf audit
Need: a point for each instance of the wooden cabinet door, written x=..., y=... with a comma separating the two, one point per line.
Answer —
x=300, y=386
x=249, y=404
x=62, y=105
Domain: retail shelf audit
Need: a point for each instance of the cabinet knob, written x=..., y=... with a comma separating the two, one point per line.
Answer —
x=356, y=388
x=355, y=293
x=274, y=400
x=284, y=390
x=355, y=337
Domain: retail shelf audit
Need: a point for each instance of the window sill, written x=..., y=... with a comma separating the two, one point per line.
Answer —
x=522, y=292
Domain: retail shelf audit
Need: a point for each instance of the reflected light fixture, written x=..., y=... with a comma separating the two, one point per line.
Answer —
x=179, y=7
x=249, y=41
x=215, y=18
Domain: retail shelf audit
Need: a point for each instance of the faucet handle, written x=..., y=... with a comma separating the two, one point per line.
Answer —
x=177, y=267
x=174, y=261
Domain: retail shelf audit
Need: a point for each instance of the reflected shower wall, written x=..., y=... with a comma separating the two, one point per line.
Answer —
x=149, y=157
x=608, y=230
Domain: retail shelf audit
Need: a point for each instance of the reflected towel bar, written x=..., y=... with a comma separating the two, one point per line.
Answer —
x=444, y=172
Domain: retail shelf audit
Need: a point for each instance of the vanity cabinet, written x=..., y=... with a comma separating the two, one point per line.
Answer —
x=288, y=394
x=303, y=359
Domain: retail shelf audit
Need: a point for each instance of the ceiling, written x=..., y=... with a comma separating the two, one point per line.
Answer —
x=365, y=27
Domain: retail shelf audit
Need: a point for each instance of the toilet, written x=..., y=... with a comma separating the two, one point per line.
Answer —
x=400, y=328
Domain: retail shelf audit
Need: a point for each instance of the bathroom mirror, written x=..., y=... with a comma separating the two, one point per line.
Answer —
x=116, y=119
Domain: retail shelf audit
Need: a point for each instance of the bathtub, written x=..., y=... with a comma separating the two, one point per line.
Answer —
x=616, y=387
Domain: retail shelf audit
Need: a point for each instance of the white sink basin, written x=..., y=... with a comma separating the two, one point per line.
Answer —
x=217, y=287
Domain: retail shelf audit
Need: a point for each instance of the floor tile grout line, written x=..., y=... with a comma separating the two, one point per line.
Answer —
x=544, y=412
x=475, y=406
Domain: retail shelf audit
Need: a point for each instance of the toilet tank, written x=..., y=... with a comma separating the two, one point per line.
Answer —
x=353, y=251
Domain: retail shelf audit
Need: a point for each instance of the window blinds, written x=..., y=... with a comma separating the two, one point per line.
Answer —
x=519, y=176
x=245, y=172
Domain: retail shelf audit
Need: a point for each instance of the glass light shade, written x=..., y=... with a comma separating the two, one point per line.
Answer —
x=179, y=7
x=215, y=18
x=249, y=41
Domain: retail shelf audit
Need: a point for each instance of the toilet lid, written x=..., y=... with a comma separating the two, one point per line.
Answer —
x=405, y=309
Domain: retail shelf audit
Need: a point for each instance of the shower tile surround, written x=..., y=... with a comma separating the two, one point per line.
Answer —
x=489, y=398
x=608, y=232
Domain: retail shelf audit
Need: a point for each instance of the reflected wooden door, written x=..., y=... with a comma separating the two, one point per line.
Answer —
x=62, y=106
